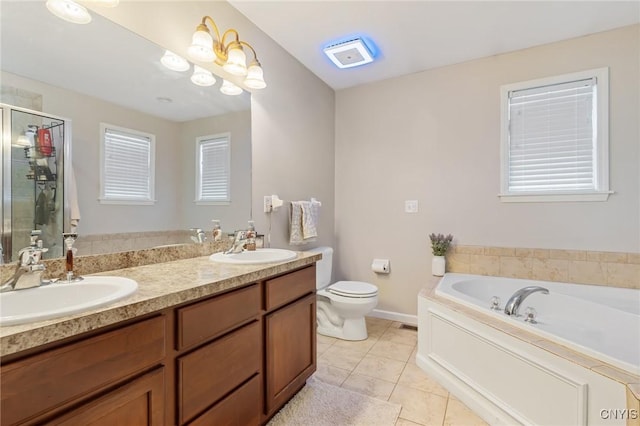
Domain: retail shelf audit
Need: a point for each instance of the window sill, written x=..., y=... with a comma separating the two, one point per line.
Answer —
x=212, y=203
x=554, y=198
x=128, y=202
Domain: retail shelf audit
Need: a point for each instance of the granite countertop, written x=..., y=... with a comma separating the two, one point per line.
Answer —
x=160, y=286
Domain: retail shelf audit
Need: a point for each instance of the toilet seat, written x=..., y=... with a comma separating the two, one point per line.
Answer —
x=353, y=289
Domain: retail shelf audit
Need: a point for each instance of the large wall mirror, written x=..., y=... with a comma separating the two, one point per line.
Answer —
x=101, y=73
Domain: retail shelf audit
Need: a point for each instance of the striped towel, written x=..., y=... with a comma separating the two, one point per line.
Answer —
x=303, y=222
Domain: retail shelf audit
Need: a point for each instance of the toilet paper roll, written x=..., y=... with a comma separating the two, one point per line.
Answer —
x=380, y=266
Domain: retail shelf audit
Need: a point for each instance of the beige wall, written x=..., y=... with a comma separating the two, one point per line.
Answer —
x=434, y=137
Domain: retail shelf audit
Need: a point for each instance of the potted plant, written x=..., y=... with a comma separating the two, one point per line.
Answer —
x=439, y=245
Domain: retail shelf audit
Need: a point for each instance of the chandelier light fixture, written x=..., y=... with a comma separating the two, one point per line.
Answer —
x=174, y=62
x=202, y=77
x=228, y=54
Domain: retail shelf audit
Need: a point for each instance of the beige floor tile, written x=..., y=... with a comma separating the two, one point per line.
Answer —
x=414, y=377
x=418, y=406
x=330, y=374
x=412, y=357
x=340, y=357
x=393, y=350
x=358, y=345
x=459, y=414
x=380, y=367
x=405, y=422
x=325, y=339
x=370, y=386
x=322, y=347
x=377, y=321
x=406, y=337
x=375, y=332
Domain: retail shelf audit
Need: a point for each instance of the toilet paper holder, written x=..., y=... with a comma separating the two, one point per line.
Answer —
x=380, y=266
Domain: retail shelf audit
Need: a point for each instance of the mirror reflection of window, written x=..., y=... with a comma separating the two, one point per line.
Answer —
x=213, y=169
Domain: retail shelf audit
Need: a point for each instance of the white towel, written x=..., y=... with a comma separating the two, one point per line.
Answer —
x=72, y=192
x=303, y=222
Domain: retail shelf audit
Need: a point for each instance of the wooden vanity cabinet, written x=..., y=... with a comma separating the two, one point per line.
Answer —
x=229, y=359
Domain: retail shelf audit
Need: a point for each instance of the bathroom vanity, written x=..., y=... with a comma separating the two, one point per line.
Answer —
x=230, y=347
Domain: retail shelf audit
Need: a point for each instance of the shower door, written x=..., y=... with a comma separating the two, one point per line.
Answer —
x=34, y=153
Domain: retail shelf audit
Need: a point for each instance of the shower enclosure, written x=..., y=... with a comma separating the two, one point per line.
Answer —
x=35, y=150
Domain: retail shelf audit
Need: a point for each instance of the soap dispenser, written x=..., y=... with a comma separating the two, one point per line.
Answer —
x=217, y=231
x=251, y=237
x=69, y=239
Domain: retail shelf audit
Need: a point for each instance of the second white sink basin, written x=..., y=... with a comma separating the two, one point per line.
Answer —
x=263, y=255
x=61, y=299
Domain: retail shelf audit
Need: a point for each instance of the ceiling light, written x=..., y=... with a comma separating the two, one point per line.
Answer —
x=108, y=3
x=228, y=88
x=202, y=77
x=349, y=53
x=69, y=11
x=174, y=62
x=230, y=55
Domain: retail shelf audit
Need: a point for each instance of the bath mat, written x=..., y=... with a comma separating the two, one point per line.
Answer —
x=322, y=404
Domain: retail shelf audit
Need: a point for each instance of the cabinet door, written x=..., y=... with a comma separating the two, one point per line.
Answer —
x=137, y=403
x=290, y=335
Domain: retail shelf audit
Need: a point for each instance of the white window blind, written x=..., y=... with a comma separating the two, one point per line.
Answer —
x=555, y=139
x=213, y=180
x=127, y=166
x=552, y=137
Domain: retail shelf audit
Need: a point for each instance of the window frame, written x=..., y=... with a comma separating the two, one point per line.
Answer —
x=601, y=153
x=198, y=177
x=150, y=200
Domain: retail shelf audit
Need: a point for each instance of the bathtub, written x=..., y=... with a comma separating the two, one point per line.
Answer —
x=515, y=372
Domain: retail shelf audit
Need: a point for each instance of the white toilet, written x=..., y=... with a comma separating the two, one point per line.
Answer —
x=343, y=305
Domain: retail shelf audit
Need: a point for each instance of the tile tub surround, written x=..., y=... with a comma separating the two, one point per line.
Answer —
x=160, y=286
x=631, y=381
x=573, y=266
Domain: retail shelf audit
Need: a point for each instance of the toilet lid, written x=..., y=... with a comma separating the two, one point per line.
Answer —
x=353, y=288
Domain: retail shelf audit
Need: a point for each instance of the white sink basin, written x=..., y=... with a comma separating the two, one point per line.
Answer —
x=61, y=299
x=263, y=255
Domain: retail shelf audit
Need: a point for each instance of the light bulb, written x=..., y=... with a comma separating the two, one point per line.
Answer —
x=236, y=60
x=174, y=62
x=69, y=10
x=202, y=77
x=228, y=88
x=201, y=48
x=255, y=79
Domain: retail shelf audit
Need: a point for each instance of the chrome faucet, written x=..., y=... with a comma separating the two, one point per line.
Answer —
x=29, y=271
x=513, y=304
x=238, y=242
x=199, y=237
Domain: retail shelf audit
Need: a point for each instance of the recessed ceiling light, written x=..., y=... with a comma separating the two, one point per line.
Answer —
x=69, y=11
x=164, y=100
x=349, y=53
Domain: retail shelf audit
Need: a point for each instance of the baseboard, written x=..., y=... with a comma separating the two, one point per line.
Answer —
x=394, y=316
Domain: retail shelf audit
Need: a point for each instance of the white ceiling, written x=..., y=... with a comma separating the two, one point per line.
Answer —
x=417, y=35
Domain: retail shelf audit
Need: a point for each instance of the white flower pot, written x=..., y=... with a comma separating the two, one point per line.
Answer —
x=438, y=266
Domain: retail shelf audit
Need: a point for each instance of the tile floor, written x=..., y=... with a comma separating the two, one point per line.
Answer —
x=384, y=367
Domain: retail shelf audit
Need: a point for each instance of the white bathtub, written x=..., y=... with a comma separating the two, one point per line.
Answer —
x=512, y=378
x=602, y=322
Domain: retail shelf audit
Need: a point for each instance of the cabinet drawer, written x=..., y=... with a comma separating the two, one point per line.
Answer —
x=209, y=373
x=45, y=381
x=202, y=321
x=286, y=288
x=241, y=408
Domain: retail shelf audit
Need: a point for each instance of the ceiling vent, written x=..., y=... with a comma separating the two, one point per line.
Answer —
x=349, y=53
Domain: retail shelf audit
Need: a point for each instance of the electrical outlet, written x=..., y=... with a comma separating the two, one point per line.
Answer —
x=411, y=206
x=267, y=204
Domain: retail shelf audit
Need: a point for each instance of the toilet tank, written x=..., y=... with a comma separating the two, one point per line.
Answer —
x=323, y=266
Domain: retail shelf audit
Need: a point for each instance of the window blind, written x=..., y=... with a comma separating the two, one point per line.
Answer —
x=552, y=137
x=214, y=170
x=127, y=168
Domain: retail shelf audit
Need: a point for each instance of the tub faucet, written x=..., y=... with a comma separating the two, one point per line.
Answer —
x=238, y=242
x=513, y=304
x=29, y=271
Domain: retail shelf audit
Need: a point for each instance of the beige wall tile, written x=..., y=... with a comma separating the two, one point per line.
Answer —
x=458, y=263
x=568, y=254
x=499, y=251
x=484, y=265
x=633, y=258
x=623, y=275
x=468, y=249
x=583, y=272
x=550, y=269
x=515, y=267
x=604, y=256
